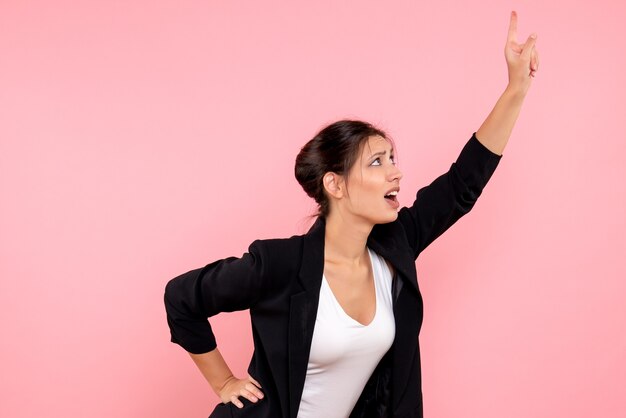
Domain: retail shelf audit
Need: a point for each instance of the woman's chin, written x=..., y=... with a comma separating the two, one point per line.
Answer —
x=392, y=216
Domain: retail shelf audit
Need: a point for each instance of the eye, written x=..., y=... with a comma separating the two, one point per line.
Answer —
x=376, y=160
x=393, y=159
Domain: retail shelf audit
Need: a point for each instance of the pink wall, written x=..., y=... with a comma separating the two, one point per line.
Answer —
x=142, y=139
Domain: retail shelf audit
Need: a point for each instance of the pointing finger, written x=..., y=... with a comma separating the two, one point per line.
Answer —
x=512, y=36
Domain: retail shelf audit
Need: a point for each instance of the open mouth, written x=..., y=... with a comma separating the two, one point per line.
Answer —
x=392, y=196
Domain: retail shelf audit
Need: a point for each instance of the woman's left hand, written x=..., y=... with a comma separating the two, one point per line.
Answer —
x=522, y=59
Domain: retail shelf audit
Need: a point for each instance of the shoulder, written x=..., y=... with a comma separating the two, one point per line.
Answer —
x=281, y=259
x=273, y=247
x=279, y=254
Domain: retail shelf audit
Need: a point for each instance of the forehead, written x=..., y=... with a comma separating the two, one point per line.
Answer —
x=375, y=144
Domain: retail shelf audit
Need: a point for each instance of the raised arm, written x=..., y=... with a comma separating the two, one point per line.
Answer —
x=450, y=196
x=522, y=62
x=453, y=194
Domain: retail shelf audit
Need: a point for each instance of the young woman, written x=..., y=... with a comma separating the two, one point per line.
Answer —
x=336, y=312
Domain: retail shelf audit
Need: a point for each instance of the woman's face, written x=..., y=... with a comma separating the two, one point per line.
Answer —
x=373, y=176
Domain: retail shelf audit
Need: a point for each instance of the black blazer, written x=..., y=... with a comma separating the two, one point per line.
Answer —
x=279, y=281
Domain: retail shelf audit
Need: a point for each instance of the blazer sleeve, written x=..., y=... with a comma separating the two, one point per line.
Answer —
x=225, y=285
x=450, y=196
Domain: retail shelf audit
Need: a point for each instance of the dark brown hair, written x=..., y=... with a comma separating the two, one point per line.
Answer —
x=335, y=148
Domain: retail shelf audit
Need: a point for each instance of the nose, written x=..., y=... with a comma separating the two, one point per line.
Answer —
x=395, y=173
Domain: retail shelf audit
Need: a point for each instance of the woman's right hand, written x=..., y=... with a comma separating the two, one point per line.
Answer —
x=234, y=388
x=222, y=381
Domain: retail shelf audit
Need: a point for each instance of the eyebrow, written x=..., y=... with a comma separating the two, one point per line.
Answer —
x=380, y=153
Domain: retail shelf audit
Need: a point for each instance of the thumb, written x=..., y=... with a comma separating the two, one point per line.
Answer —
x=528, y=46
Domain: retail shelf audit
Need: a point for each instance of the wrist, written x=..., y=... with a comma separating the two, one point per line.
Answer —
x=515, y=91
x=218, y=389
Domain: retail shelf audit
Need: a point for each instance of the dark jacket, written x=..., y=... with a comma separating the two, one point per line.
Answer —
x=279, y=281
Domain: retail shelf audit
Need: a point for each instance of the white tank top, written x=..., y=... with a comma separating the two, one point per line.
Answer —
x=344, y=352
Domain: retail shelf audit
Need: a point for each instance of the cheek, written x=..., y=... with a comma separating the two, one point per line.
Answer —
x=366, y=190
x=371, y=191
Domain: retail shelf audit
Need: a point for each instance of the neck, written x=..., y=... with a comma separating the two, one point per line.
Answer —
x=346, y=239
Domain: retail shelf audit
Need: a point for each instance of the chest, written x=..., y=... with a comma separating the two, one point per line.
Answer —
x=354, y=289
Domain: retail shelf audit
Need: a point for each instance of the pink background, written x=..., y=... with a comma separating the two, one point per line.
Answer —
x=142, y=139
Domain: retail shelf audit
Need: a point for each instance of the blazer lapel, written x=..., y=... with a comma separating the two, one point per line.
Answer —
x=303, y=311
x=383, y=240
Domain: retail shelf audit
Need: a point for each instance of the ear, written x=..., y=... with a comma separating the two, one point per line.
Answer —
x=333, y=184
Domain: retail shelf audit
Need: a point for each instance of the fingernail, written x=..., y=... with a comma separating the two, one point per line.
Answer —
x=533, y=36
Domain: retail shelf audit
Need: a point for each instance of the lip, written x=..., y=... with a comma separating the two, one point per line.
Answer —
x=394, y=189
x=393, y=203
